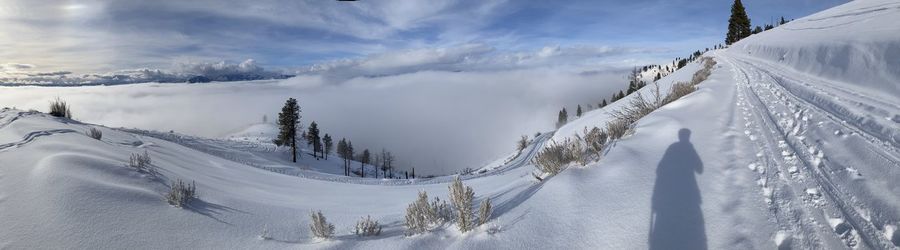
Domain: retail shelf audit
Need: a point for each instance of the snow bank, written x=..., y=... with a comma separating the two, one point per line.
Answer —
x=857, y=43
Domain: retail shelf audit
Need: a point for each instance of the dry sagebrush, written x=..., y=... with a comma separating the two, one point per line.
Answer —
x=181, y=193
x=95, y=133
x=554, y=158
x=367, y=227
x=461, y=197
x=320, y=226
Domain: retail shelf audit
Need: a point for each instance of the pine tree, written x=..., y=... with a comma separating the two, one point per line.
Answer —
x=342, y=152
x=288, y=122
x=738, y=23
x=603, y=104
x=578, y=111
x=349, y=158
x=562, y=118
x=328, y=144
x=757, y=30
x=312, y=138
x=366, y=156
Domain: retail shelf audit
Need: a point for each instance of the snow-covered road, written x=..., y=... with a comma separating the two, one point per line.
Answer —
x=827, y=157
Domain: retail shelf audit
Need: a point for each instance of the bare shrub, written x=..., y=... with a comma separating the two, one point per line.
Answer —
x=95, y=133
x=461, y=197
x=441, y=211
x=594, y=140
x=682, y=89
x=636, y=109
x=556, y=156
x=484, y=211
x=181, y=193
x=679, y=90
x=367, y=227
x=615, y=129
x=320, y=226
x=142, y=163
x=419, y=215
x=59, y=108
x=265, y=235
x=522, y=143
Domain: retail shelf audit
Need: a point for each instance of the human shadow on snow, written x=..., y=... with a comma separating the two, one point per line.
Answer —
x=676, y=220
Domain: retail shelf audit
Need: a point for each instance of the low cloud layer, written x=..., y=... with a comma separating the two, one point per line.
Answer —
x=436, y=121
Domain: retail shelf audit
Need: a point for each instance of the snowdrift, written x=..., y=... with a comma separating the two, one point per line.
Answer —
x=857, y=43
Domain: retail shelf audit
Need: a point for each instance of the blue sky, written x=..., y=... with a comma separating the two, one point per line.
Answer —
x=361, y=37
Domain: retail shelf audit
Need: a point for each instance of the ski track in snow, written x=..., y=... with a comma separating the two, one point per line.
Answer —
x=805, y=198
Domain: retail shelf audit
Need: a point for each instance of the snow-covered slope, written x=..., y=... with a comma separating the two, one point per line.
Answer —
x=797, y=153
x=856, y=43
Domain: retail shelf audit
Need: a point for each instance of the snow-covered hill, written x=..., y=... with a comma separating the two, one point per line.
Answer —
x=792, y=142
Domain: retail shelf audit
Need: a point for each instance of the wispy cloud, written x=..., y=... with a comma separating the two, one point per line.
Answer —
x=97, y=36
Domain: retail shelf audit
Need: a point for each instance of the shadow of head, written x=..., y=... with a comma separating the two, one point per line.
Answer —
x=684, y=135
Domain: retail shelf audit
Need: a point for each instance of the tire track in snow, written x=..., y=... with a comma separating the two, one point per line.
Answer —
x=777, y=190
x=886, y=135
x=787, y=131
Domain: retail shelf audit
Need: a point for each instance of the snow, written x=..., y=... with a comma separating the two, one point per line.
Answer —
x=711, y=170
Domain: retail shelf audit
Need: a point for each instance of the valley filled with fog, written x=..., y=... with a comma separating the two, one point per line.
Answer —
x=436, y=121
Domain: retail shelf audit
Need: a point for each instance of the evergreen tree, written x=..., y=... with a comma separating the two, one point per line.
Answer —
x=288, y=123
x=578, y=111
x=342, y=152
x=312, y=138
x=349, y=156
x=738, y=23
x=326, y=140
x=363, y=160
x=562, y=118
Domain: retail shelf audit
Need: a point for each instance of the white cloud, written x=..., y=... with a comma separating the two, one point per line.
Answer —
x=470, y=57
x=15, y=66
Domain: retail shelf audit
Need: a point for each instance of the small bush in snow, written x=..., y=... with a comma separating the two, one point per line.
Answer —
x=265, y=233
x=679, y=90
x=615, y=129
x=556, y=156
x=320, y=227
x=181, y=193
x=419, y=215
x=594, y=140
x=441, y=211
x=141, y=163
x=522, y=143
x=367, y=227
x=461, y=198
x=636, y=109
x=95, y=133
x=484, y=211
x=59, y=108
